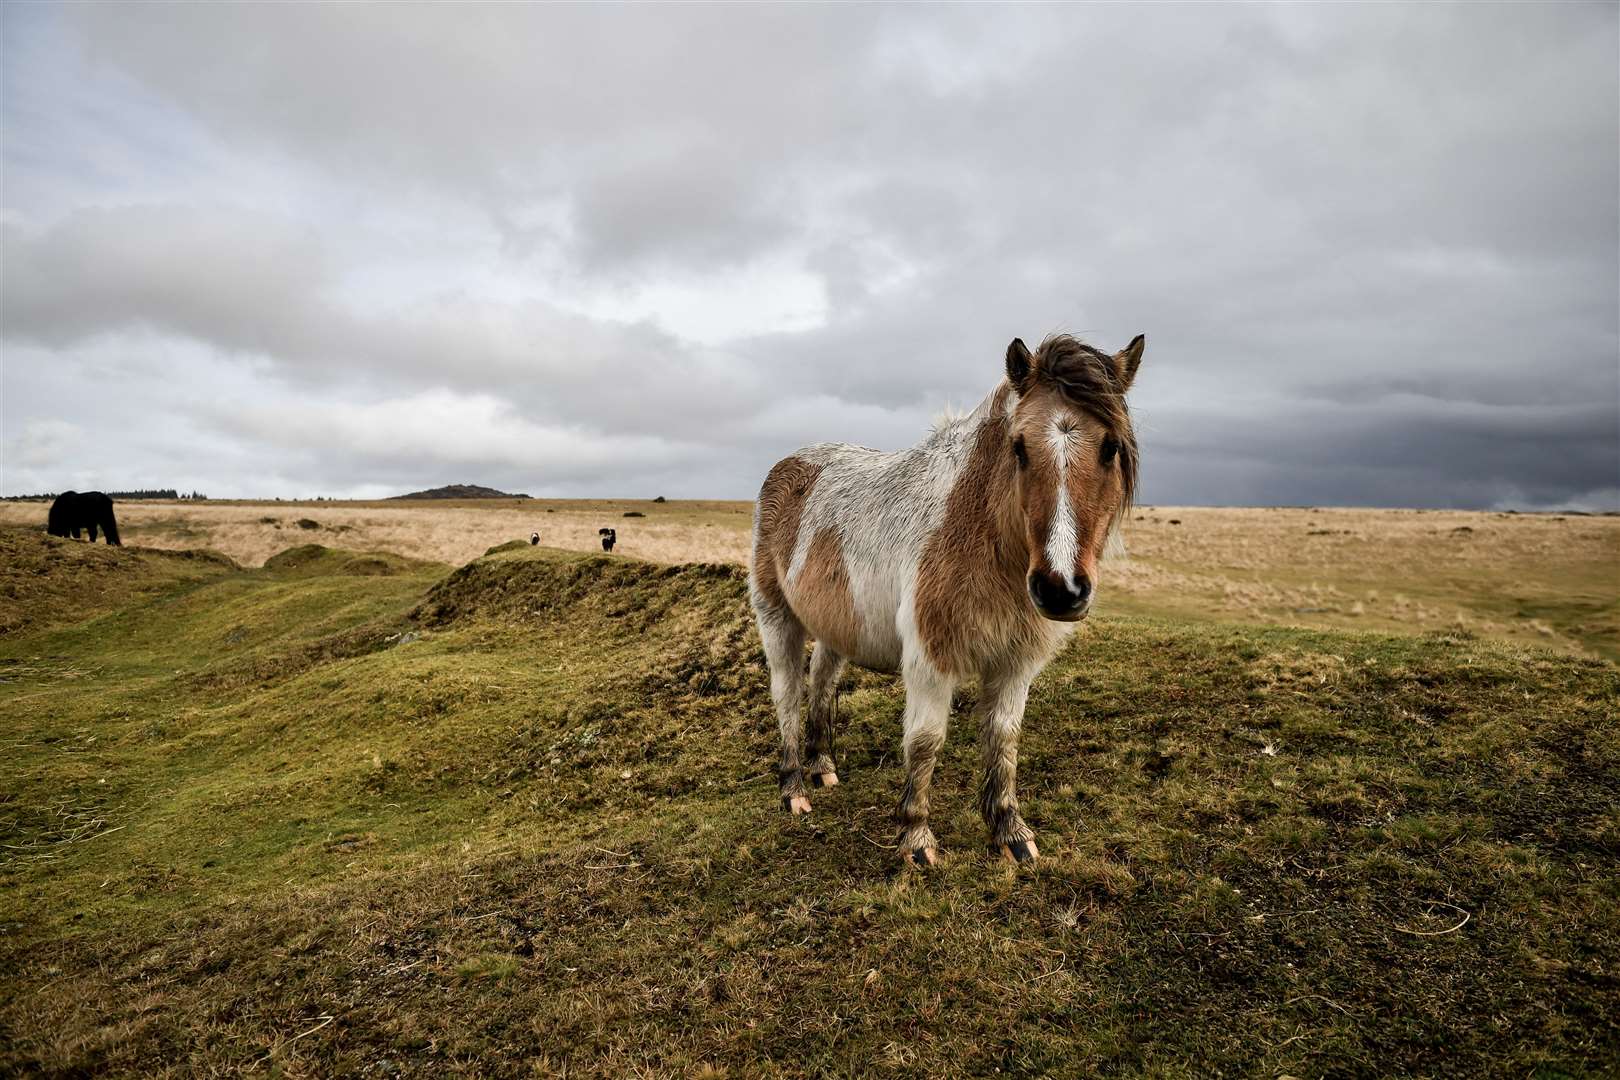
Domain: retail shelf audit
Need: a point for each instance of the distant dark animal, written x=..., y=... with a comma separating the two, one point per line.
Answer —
x=90, y=510
x=609, y=537
x=973, y=553
x=534, y=538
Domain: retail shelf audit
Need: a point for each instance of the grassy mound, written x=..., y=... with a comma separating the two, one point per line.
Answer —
x=312, y=560
x=48, y=581
x=525, y=820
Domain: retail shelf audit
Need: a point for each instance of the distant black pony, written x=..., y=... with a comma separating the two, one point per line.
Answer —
x=73, y=511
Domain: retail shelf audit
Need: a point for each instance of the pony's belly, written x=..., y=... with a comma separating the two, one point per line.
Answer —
x=876, y=603
x=883, y=665
x=848, y=606
x=875, y=647
x=877, y=656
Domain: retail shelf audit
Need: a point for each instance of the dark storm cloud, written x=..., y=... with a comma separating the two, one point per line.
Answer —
x=1374, y=249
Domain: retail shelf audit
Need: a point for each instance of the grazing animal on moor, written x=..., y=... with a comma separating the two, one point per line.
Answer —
x=74, y=511
x=534, y=538
x=609, y=538
x=973, y=553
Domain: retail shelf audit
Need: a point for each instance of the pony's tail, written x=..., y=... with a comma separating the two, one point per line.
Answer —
x=109, y=525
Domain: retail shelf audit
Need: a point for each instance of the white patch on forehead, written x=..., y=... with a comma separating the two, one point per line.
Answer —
x=1063, y=542
x=1063, y=436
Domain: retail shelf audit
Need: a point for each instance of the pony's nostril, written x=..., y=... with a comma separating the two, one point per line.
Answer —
x=1053, y=596
x=1082, y=589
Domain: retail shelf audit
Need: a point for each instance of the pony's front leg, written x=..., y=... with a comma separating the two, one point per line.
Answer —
x=928, y=710
x=1001, y=718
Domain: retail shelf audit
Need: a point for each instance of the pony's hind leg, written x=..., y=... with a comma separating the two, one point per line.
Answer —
x=825, y=668
x=928, y=710
x=783, y=636
x=1001, y=718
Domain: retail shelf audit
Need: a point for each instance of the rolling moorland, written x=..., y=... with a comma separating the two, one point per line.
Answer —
x=1550, y=579
x=512, y=812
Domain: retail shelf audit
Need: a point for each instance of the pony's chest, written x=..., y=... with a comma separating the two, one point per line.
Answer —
x=976, y=617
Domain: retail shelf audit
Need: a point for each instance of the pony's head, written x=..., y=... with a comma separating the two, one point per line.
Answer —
x=1074, y=451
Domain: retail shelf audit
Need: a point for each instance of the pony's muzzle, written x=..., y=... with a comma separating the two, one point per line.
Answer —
x=1056, y=600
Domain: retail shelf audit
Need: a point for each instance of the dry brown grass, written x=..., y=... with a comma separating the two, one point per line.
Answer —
x=1547, y=578
x=453, y=532
x=1552, y=578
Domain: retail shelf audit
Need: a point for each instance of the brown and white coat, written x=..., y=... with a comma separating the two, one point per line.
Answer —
x=972, y=553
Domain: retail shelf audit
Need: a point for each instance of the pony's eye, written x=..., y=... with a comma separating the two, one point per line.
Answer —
x=1110, y=447
x=1020, y=453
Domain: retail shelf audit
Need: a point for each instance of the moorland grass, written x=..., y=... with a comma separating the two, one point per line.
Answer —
x=346, y=815
x=1549, y=579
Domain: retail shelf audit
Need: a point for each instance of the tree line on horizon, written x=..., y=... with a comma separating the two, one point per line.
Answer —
x=141, y=493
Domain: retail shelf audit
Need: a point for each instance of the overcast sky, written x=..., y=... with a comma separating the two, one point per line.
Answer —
x=601, y=250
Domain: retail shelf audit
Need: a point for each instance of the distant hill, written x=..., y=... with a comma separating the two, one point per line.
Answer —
x=459, y=491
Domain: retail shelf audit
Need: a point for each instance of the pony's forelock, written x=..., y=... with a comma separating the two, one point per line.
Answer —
x=1088, y=380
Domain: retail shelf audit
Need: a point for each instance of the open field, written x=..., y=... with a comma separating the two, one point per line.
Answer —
x=1548, y=578
x=363, y=815
x=450, y=531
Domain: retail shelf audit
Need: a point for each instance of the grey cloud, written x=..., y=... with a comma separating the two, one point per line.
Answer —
x=245, y=283
x=1374, y=249
x=617, y=110
x=229, y=276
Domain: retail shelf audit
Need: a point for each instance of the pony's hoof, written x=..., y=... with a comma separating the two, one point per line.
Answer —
x=923, y=856
x=824, y=779
x=1020, y=851
x=798, y=804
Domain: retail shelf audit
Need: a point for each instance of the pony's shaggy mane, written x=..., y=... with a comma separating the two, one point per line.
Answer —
x=948, y=416
x=1089, y=379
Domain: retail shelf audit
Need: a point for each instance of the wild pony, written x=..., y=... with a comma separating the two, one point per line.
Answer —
x=74, y=511
x=973, y=552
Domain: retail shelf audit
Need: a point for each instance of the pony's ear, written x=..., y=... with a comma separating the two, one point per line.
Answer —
x=1127, y=360
x=1019, y=365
